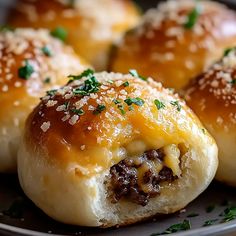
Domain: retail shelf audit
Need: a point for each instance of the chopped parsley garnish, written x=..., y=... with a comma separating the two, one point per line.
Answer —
x=136, y=101
x=86, y=73
x=210, y=222
x=78, y=112
x=59, y=33
x=91, y=85
x=126, y=84
x=121, y=108
x=67, y=104
x=134, y=73
x=51, y=92
x=229, y=214
x=116, y=101
x=185, y=225
x=159, y=104
x=99, y=109
x=204, y=131
x=228, y=51
x=192, y=215
x=210, y=208
x=47, y=80
x=47, y=52
x=176, y=103
x=16, y=210
x=26, y=71
x=233, y=82
x=193, y=17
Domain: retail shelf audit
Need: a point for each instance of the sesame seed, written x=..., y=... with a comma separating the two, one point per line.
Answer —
x=45, y=126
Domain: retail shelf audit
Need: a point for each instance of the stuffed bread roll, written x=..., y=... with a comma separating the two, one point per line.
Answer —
x=212, y=96
x=112, y=149
x=177, y=41
x=31, y=62
x=91, y=26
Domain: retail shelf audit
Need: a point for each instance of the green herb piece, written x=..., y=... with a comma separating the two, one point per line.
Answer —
x=91, y=85
x=78, y=112
x=99, y=109
x=233, y=82
x=26, y=71
x=185, y=225
x=192, y=215
x=110, y=81
x=59, y=33
x=228, y=51
x=116, y=101
x=131, y=108
x=160, y=105
x=67, y=104
x=126, y=84
x=121, y=108
x=16, y=210
x=86, y=73
x=134, y=73
x=46, y=51
x=176, y=103
x=136, y=101
x=210, y=208
x=193, y=17
x=47, y=80
x=51, y=92
x=229, y=214
x=210, y=222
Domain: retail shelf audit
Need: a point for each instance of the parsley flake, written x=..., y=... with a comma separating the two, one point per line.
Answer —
x=59, y=33
x=193, y=17
x=136, y=101
x=185, y=225
x=228, y=51
x=51, y=92
x=160, y=105
x=229, y=214
x=47, y=80
x=134, y=73
x=209, y=209
x=121, y=108
x=176, y=103
x=233, y=82
x=47, y=52
x=99, y=109
x=78, y=112
x=26, y=71
x=126, y=84
x=210, y=222
x=116, y=101
x=86, y=73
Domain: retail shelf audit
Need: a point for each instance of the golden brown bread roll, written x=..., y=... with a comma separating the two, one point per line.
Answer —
x=213, y=98
x=31, y=62
x=113, y=150
x=177, y=41
x=92, y=25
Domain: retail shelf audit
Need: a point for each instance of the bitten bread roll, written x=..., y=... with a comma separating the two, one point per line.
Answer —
x=213, y=98
x=113, y=150
x=177, y=41
x=31, y=62
x=91, y=26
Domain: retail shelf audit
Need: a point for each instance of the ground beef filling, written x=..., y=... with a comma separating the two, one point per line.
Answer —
x=126, y=183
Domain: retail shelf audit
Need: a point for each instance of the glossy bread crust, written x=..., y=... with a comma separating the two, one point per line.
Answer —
x=212, y=97
x=31, y=62
x=171, y=52
x=91, y=27
x=76, y=134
